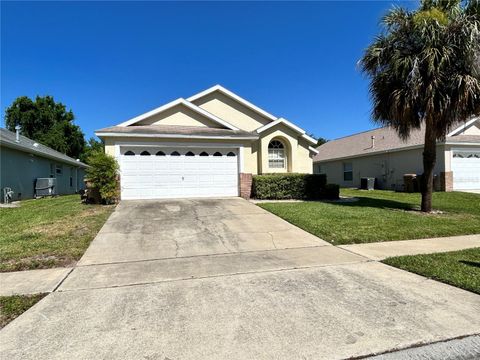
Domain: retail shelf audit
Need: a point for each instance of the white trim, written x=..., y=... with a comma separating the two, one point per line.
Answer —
x=463, y=127
x=240, y=159
x=288, y=124
x=171, y=104
x=177, y=144
x=175, y=136
x=315, y=151
x=235, y=97
x=462, y=143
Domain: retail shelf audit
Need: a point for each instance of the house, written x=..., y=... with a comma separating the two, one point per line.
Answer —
x=23, y=160
x=209, y=144
x=381, y=154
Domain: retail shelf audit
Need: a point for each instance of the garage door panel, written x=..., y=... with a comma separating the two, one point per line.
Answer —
x=153, y=177
x=466, y=169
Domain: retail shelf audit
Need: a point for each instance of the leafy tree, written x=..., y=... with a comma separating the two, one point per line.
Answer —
x=47, y=122
x=321, y=141
x=102, y=173
x=424, y=71
x=92, y=146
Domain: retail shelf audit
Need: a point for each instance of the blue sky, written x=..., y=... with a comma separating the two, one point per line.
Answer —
x=111, y=61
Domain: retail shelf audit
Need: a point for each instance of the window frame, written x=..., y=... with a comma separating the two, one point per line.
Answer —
x=347, y=171
x=277, y=155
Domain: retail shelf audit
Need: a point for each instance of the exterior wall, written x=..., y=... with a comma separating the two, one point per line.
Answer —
x=299, y=159
x=179, y=115
x=472, y=130
x=20, y=169
x=231, y=111
x=387, y=168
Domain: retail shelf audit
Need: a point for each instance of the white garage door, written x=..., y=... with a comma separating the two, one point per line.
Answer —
x=466, y=169
x=155, y=173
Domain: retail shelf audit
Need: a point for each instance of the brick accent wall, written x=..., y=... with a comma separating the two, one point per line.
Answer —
x=245, y=185
x=446, y=181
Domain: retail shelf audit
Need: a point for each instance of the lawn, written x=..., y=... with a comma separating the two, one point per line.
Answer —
x=457, y=268
x=383, y=216
x=13, y=306
x=49, y=232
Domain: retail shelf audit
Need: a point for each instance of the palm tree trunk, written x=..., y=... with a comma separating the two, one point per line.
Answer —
x=429, y=159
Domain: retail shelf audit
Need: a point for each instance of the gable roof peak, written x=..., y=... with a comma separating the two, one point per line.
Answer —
x=233, y=96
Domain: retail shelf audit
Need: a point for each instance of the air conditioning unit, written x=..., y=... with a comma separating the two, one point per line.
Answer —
x=45, y=187
x=367, y=183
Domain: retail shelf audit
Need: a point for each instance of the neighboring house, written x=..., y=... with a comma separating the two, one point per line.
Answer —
x=207, y=145
x=23, y=160
x=380, y=153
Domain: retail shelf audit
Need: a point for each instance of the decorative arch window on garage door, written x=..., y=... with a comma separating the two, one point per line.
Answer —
x=145, y=153
x=175, y=153
x=160, y=153
x=217, y=154
x=203, y=153
x=129, y=153
x=189, y=154
x=231, y=153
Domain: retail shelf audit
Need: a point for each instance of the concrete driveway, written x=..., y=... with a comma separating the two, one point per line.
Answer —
x=217, y=279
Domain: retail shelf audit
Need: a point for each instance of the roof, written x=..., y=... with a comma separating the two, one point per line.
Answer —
x=8, y=139
x=386, y=140
x=175, y=131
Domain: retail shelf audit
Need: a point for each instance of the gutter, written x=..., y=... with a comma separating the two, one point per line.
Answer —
x=176, y=136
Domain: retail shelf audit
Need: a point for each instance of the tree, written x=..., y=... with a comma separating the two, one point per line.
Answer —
x=92, y=146
x=102, y=173
x=424, y=72
x=321, y=141
x=47, y=122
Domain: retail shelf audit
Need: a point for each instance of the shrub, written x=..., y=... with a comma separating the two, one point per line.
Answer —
x=293, y=186
x=102, y=173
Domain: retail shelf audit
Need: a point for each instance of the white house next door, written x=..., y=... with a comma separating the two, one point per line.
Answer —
x=466, y=169
x=156, y=173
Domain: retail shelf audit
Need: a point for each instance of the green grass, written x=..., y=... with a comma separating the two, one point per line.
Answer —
x=457, y=268
x=383, y=216
x=48, y=232
x=13, y=306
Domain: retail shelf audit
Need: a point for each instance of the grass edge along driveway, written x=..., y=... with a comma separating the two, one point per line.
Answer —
x=458, y=268
x=49, y=232
x=13, y=306
x=382, y=216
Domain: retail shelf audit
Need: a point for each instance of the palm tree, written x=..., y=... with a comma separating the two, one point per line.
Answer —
x=424, y=70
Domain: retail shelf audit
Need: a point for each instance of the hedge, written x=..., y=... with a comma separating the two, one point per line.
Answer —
x=293, y=186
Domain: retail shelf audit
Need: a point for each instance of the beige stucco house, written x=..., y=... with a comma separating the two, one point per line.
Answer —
x=209, y=144
x=381, y=154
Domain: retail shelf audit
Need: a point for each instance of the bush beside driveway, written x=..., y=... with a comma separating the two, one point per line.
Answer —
x=49, y=232
x=383, y=216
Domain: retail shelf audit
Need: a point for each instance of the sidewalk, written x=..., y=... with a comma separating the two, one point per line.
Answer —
x=382, y=250
x=31, y=281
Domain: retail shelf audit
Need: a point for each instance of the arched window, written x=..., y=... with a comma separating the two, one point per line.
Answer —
x=175, y=153
x=231, y=154
x=189, y=154
x=276, y=155
x=129, y=153
x=217, y=154
x=144, y=153
x=160, y=153
x=203, y=153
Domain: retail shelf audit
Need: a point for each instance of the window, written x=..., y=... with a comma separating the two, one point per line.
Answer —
x=276, y=155
x=189, y=154
x=203, y=153
x=71, y=177
x=320, y=169
x=52, y=170
x=58, y=169
x=231, y=154
x=217, y=154
x=347, y=172
x=144, y=153
x=129, y=153
x=160, y=153
x=175, y=153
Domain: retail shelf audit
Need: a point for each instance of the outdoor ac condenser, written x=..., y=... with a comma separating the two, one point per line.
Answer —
x=45, y=187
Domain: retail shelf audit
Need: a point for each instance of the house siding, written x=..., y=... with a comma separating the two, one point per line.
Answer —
x=20, y=169
x=387, y=168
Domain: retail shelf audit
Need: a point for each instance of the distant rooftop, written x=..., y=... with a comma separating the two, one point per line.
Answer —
x=8, y=139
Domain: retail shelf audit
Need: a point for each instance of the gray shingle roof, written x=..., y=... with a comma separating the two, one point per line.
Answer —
x=386, y=139
x=176, y=130
x=8, y=138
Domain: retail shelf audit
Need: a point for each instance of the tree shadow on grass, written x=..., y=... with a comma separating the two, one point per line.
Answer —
x=378, y=203
x=471, y=263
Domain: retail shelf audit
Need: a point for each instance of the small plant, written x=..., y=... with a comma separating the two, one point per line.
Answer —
x=102, y=173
